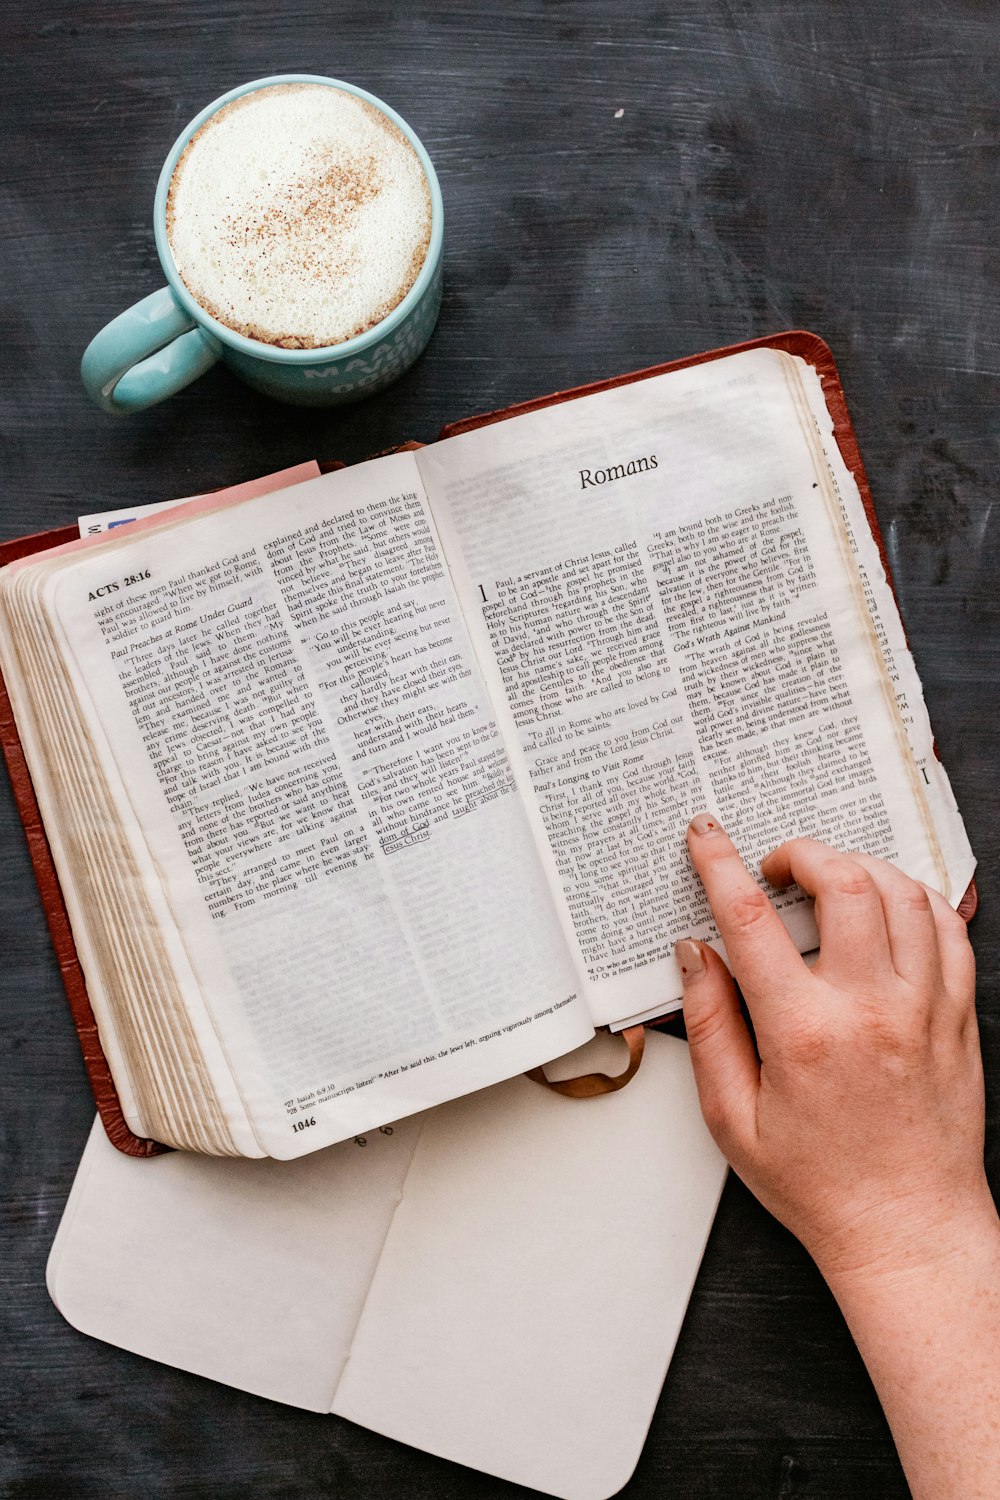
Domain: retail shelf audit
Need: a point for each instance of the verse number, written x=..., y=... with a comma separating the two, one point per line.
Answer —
x=304, y=1124
x=137, y=577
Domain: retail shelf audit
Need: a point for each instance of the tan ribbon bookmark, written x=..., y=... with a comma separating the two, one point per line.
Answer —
x=588, y=1085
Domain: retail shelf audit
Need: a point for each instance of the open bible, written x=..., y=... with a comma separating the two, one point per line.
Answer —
x=371, y=792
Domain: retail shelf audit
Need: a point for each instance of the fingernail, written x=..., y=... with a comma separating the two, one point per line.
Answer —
x=689, y=957
x=705, y=823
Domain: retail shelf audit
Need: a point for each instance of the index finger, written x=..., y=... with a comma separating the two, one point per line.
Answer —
x=762, y=956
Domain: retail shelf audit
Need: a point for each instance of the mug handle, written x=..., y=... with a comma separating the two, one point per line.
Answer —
x=147, y=353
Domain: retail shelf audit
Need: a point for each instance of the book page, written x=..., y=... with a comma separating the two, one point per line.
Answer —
x=661, y=583
x=888, y=628
x=78, y=822
x=321, y=803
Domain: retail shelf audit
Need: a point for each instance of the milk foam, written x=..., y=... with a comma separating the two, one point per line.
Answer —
x=299, y=215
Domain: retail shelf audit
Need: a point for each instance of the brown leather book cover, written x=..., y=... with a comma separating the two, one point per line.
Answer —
x=808, y=345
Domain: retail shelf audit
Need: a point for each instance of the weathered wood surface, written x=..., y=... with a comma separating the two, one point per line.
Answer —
x=623, y=185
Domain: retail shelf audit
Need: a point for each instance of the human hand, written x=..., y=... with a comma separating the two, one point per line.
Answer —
x=858, y=1120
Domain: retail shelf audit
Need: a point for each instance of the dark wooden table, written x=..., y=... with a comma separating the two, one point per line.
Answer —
x=623, y=185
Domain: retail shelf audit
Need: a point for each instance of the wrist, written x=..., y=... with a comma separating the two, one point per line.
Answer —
x=910, y=1243
x=925, y=1315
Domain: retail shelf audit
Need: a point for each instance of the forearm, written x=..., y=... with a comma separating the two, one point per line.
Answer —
x=929, y=1333
x=856, y=1114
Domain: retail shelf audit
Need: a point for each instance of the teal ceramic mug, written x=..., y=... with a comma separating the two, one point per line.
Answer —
x=168, y=339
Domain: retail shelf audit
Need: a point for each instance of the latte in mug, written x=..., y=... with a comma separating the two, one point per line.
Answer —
x=298, y=215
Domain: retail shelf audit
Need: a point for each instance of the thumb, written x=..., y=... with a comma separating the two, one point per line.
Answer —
x=723, y=1056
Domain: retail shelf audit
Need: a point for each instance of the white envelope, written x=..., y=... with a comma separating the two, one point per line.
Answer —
x=500, y=1281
